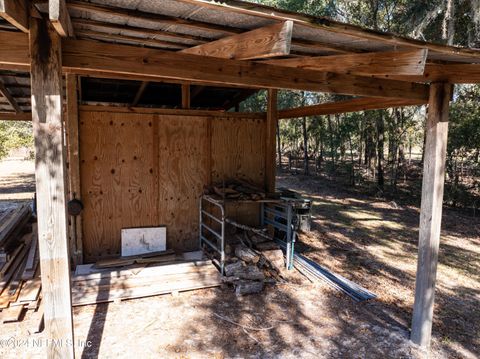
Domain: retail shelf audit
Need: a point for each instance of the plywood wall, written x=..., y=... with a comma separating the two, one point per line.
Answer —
x=150, y=169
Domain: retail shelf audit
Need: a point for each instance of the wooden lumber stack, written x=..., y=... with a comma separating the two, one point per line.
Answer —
x=13, y=224
x=19, y=273
x=239, y=190
x=91, y=285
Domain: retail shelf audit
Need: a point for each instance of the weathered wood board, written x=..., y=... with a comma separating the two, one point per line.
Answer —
x=147, y=169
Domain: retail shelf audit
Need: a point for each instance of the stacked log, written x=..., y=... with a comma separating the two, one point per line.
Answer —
x=238, y=190
x=250, y=269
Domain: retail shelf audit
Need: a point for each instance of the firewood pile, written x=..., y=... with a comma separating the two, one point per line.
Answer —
x=237, y=189
x=253, y=262
x=19, y=273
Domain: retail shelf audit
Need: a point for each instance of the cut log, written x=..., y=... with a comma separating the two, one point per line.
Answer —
x=275, y=258
x=248, y=287
x=231, y=268
x=250, y=272
x=265, y=246
x=246, y=254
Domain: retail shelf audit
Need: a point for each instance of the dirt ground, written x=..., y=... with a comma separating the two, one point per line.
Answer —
x=366, y=239
x=17, y=181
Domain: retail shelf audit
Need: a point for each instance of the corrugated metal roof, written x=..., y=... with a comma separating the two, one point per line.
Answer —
x=236, y=16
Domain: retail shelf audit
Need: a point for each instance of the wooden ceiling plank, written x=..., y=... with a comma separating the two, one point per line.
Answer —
x=411, y=62
x=16, y=13
x=352, y=105
x=5, y=93
x=264, y=42
x=60, y=18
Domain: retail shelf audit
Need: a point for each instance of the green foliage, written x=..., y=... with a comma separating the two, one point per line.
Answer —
x=13, y=135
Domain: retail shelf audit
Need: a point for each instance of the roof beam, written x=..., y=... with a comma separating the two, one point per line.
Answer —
x=5, y=93
x=452, y=73
x=375, y=63
x=16, y=13
x=264, y=42
x=23, y=116
x=353, y=105
x=122, y=61
x=60, y=18
x=90, y=57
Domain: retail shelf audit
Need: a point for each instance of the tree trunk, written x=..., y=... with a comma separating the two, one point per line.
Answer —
x=474, y=38
x=380, y=149
x=279, y=147
x=352, y=160
x=305, y=146
x=448, y=28
x=332, y=142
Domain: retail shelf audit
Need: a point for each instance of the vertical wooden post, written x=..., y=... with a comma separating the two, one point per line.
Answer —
x=431, y=211
x=185, y=96
x=46, y=78
x=75, y=229
x=271, y=129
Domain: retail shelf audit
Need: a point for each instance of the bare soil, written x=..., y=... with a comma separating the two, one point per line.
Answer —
x=366, y=239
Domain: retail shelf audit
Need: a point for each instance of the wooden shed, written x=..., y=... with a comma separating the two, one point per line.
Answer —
x=134, y=109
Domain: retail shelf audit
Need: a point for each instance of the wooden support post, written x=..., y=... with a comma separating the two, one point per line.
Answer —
x=270, y=138
x=185, y=96
x=46, y=78
x=431, y=211
x=73, y=156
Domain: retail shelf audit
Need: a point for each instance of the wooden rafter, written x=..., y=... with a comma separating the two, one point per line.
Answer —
x=264, y=42
x=16, y=13
x=353, y=105
x=129, y=39
x=452, y=73
x=8, y=96
x=60, y=18
x=410, y=62
x=186, y=96
x=139, y=94
x=173, y=37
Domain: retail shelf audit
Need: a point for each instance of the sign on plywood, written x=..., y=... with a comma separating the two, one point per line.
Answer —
x=143, y=240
